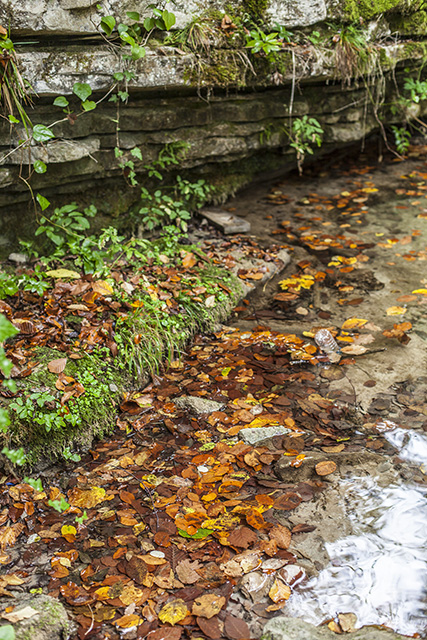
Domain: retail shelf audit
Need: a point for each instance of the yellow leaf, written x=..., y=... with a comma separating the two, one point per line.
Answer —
x=131, y=620
x=279, y=591
x=422, y=291
x=130, y=594
x=396, y=311
x=208, y=605
x=102, y=593
x=369, y=189
x=68, y=530
x=86, y=499
x=62, y=273
x=102, y=287
x=353, y=323
x=174, y=612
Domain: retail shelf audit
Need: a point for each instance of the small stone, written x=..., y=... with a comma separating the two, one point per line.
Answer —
x=113, y=387
x=197, y=405
x=254, y=435
x=19, y=258
x=227, y=222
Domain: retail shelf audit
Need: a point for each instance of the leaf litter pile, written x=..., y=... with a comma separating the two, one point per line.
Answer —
x=178, y=526
x=180, y=511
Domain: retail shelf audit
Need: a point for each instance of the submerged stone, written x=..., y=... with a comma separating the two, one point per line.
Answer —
x=283, y=628
x=199, y=406
x=256, y=435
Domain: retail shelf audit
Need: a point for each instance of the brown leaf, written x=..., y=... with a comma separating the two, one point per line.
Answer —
x=186, y=571
x=210, y=627
x=288, y=501
x=242, y=537
x=281, y=535
x=208, y=605
x=57, y=366
x=325, y=467
x=165, y=633
x=236, y=628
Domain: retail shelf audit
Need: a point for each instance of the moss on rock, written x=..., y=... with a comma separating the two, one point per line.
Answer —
x=366, y=9
x=411, y=25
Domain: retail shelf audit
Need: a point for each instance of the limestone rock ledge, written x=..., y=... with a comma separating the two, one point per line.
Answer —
x=234, y=111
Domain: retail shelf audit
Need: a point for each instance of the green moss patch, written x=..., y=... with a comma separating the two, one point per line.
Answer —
x=59, y=410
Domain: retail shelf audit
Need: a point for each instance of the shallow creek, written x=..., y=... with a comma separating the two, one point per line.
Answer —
x=377, y=567
x=379, y=572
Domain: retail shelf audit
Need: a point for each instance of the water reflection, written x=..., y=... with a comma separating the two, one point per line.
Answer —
x=379, y=572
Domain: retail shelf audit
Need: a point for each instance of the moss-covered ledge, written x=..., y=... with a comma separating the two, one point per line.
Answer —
x=66, y=397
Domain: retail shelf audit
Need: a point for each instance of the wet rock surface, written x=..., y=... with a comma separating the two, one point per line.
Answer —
x=37, y=617
x=283, y=628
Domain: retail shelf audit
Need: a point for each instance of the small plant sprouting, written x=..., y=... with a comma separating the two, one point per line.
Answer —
x=402, y=139
x=305, y=133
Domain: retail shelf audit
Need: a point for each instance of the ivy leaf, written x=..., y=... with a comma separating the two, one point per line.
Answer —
x=42, y=133
x=82, y=90
x=149, y=23
x=43, y=202
x=61, y=101
x=133, y=15
x=7, y=632
x=107, y=25
x=39, y=166
x=168, y=18
x=137, y=52
x=89, y=105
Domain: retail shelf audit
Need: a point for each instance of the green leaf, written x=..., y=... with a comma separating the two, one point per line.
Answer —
x=42, y=133
x=107, y=25
x=16, y=456
x=133, y=15
x=36, y=484
x=199, y=535
x=137, y=52
x=119, y=76
x=7, y=330
x=7, y=632
x=61, y=101
x=12, y=119
x=82, y=90
x=89, y=105
x=125, y=37
x=136, y=153
x=43, y=202
x=149, y=23
x=168, y=18
x=39, y=166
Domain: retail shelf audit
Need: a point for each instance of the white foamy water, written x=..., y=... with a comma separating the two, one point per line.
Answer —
x=380, y=571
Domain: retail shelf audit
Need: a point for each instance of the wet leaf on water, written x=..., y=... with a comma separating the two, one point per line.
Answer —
x=396, y=311
x=354, y=349
x=281, y=535
x=325, y=468
x=279, y=591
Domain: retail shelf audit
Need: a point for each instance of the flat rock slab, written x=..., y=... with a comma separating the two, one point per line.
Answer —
x=258, y=435
x=47, y=618
x=226, y=221
x=283, y=628
x=197, y=405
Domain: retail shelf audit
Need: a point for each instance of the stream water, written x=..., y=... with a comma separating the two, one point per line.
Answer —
x=380, y=571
